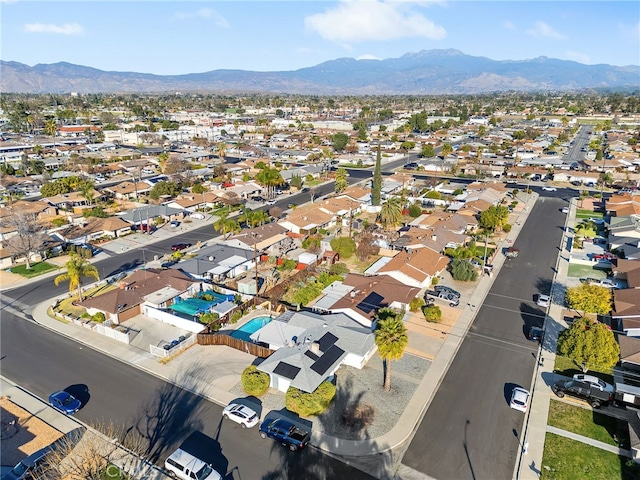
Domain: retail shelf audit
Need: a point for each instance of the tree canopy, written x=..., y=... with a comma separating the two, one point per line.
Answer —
x=339, y=141
x=589, y=344
x=494, y=218
x=590, y=299
x=391, y=338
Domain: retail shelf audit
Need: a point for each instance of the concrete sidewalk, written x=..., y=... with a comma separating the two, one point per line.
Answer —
x=125, y=460
x=590, y=441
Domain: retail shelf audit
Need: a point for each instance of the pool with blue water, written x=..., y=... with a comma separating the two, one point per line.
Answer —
x=249, y=328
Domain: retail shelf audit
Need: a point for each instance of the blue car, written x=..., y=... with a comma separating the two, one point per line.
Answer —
x=65, y=402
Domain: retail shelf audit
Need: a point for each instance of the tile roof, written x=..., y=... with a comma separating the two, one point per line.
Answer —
x=418, y=264
x=138, y=285
x=626, y=302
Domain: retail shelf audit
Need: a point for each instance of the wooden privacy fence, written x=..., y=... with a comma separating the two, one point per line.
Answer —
x=224, y=339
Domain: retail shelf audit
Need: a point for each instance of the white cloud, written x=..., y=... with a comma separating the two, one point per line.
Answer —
x=578, y=57
x=203, y=13
x=358, y=21
x=541, y=29
x=509, y=25
x=66, y=29
x=368, y=56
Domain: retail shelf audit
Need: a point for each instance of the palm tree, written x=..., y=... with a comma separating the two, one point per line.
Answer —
x=269, y=178
x=222, y=150
x=86, y=190
x=77, y=267
x=50, y=127
x=391, y=212
x=391, y=339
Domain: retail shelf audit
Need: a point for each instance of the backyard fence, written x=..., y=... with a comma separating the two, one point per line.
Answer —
x=238, y=344
x=163, y=352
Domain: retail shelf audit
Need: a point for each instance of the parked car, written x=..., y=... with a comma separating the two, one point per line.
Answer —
x=197, y=216
x=543, y=301
x=511, y=252
x=549, y=189
x=174, y=223
x=565, y=210
x=536, y=334
x=185, y=466
x=582, y=390
x=64, y=402
x=270, y=203
x=595, y=381
x=241, y=414
x=608, y=283
x=179, y=246
x=519, y=399
x=411, y=166
x=597, y=221
x=285, y=432
x=444, y=288
x=145, y=227
x=28, y=467
x=603, y=256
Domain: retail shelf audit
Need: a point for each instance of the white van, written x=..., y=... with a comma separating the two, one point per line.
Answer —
x=183, y=465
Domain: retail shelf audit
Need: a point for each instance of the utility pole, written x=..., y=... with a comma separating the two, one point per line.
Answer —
x=255, y=258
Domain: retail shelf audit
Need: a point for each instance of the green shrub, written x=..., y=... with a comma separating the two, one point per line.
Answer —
x=235, y=316
x=416, y=304
x=339, y=268
x=463, y=270
x=345, y=246
x=209, y=317
x=288, y=264
x=432, y=313
x=435, y=280
x=307, y=404
x=98, y=317
x=506, y=228
x=254, y=382
x=415, y=211
x=433, y=194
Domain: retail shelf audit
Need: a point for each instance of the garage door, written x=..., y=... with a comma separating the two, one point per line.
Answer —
x=128, y=314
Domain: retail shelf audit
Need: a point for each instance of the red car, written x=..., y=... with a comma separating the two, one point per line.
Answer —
x=179, y=246
x=603, y=256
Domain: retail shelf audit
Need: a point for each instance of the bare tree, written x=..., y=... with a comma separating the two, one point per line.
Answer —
x=26, y=235
x=93, y=453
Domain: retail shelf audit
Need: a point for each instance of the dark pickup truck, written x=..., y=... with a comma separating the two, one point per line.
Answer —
x=583, y=390
x=286, y=433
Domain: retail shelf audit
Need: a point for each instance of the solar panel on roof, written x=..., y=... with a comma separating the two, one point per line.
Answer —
x=326, y=341
x=311, y=355
x=329, y=358
x=371, y=301
x=286, y=370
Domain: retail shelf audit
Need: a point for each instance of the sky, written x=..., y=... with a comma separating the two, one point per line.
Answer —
x=180, y=37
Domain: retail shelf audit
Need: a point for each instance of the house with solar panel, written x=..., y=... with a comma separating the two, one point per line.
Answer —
x=310, y=347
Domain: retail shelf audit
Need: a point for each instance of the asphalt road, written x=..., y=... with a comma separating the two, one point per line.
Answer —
x=43, y=361
x=469, y=431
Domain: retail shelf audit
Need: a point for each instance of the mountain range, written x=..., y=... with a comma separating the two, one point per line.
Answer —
x=428, y=72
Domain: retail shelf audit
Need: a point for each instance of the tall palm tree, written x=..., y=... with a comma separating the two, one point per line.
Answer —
x=77, y=267
x=391, y=212
x=269, y=178
x=50, y=127
x=391, y=339
x=221, y=148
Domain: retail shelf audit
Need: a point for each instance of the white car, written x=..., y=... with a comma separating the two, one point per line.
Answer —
x=241, y=414
x=543, y=301
x=565, y=210
x=270, y=202
x=549, y=189
x=597, y=221
x=608, y=283
x=519, y=399
x=595, y=381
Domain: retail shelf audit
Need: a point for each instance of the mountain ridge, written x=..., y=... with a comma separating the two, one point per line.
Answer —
x=439, y=71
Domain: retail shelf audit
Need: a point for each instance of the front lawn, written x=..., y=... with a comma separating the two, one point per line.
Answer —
x=35, y=270
x=566, y=459
x=565, y=366
x=588, y=423
x=582, y=213
x=583, y=271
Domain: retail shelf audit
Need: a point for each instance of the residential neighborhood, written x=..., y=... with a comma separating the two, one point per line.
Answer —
x=349, y=272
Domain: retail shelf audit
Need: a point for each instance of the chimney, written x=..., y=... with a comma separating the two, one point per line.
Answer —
x=315, y=348
x=123, y=285
x=434, y=237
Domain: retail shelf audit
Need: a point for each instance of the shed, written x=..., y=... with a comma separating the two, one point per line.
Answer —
x=308, y=258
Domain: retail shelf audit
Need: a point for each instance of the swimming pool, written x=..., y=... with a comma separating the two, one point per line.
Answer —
x=252, y=326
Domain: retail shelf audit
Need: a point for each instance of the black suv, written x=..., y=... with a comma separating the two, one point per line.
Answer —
x=448, y=290
x=585, y=391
